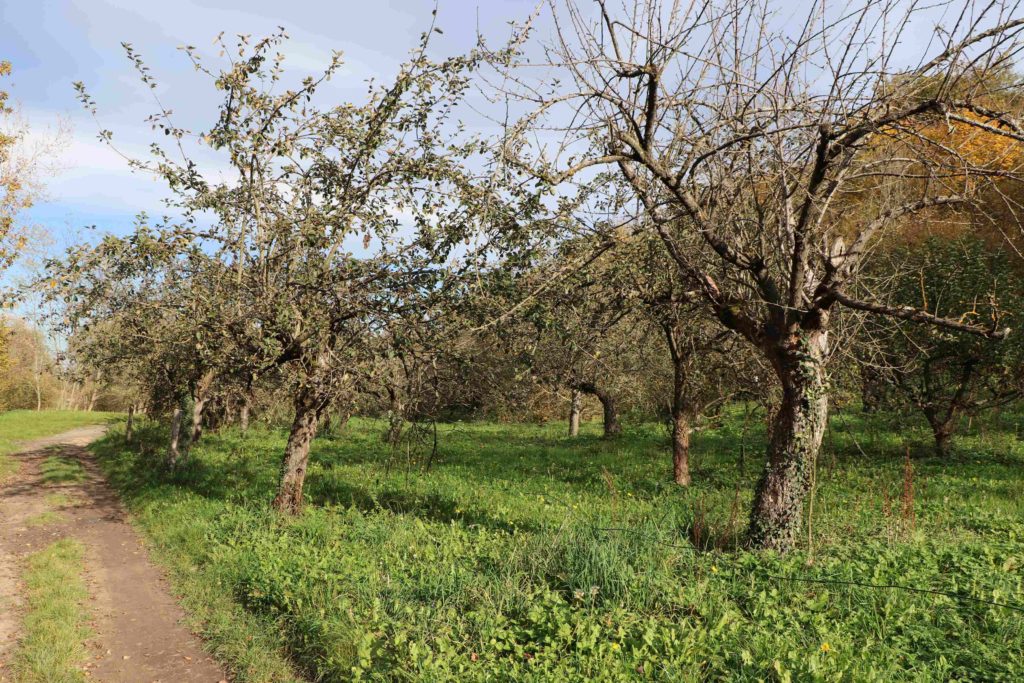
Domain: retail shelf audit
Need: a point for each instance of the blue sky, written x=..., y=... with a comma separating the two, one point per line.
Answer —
x=54, y=43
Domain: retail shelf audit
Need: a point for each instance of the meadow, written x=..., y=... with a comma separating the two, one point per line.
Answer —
x=523, y=555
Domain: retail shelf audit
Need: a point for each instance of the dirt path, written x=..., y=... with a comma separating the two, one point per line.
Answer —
x=139, y=636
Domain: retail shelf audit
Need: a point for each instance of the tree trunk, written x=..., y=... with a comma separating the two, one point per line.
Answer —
x=942, y=429
x=200, y=398
x=243, y=416
x=198, y=406
x=296, y=453
x=612, y=428
x=575, y=405
x=680, y=447
x=396, y=421
x=326, y=425
x=130, y=424
x=796, y=434
x=174, y=451
x=681, y=411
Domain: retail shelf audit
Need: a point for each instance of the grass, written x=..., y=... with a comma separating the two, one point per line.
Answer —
x=44, y=518
x=58, y=500
x=59, y=470
x=23, y=425
x=52, y=646
x=523, y=555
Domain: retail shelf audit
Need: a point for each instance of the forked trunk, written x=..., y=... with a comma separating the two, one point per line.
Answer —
x=174, y=450
x=681, y=447
x=612, y=428
x=943, y=427
x=296, y=455
x=200, y=399
x=796, y=434
x=129, y=425
x=575, y=406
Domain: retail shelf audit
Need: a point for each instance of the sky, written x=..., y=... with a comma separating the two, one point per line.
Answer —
x=54, y=43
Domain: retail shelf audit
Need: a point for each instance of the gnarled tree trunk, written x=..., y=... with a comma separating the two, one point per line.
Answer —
x=943, y=427
x=200, y=399
x=612, y=427
x=575, y=407
x=309, y=405
x=796, y=434
x=681, y=447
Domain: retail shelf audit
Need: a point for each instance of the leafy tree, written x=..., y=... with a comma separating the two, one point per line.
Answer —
x=337, y=235
x=948, y=374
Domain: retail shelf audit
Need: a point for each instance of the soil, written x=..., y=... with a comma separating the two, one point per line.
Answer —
x=139, y=634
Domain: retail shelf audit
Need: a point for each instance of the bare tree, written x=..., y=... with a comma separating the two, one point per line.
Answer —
x=748, y=145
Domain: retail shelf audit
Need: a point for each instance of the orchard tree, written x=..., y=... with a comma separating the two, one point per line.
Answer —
x=744, y=138
x=143, y=309
x=949, y=374
x=338, y=220
x=709, y=365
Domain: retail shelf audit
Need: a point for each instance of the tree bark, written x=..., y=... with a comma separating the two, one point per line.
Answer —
x=308, y=407
x=796, y=434
x=128, y=427
x=681, y=447
x=943, y=427
x=575, y=406
x=681, y=411
x=243, y=416
x=198, y=406
x=200, y=398
x=174, y=451
x=612, y=427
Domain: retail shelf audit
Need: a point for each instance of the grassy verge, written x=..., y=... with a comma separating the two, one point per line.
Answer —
x=524, y=555
x=52, y=646
x=23, y=425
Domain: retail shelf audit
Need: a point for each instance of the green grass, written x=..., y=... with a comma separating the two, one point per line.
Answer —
x=52, y=646
x=23, y=425
x=44, y=518
x=58, y=470
x=58, y=500
x=524, y=555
